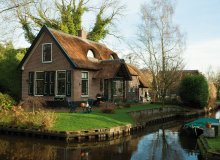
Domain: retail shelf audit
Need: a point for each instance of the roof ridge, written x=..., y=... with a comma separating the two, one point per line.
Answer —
x=70, y=35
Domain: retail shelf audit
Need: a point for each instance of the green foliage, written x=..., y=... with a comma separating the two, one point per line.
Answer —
x=69, y=18
x=194, y=91
x=99, y=31
x=6, y=101
x=10, y=79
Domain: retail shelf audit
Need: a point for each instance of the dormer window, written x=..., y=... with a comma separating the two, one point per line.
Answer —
x=90, y=54
x=111, y=57
x=47, y=53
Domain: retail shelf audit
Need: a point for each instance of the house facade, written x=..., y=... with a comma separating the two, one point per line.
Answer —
x=59, y=65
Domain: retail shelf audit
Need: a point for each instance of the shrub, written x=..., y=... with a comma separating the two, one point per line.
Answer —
x=10, y=79
x=127, y=105
x=193, y=90
x=33, y=103
x=6, y=101
x=107, y=107
x=18, y=117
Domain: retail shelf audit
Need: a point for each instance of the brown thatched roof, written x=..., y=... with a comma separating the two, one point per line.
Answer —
x=77, y=49
x=143, y=78
x=113, y=69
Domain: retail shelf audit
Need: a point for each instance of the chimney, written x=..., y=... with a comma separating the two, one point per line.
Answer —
x=82, y=33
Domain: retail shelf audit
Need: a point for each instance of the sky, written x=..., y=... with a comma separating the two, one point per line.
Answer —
x=198, y=19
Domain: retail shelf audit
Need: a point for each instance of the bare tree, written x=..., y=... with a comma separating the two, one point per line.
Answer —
x=160, y=45
x=214, y=78
x=5, y=6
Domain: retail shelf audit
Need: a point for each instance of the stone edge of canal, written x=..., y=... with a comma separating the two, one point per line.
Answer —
x=205, y=151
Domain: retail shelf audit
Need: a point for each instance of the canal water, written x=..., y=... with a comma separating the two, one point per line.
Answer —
x=158, y=142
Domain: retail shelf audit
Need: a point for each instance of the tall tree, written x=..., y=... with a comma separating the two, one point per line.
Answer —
x=66, y=15
x=160, y=45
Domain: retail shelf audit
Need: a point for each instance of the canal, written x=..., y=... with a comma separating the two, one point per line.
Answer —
x=155, y=143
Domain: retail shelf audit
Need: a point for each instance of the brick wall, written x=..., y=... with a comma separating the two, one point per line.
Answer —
x=59, y=62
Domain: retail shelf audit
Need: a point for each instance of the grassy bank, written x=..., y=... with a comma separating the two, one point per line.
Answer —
x=214, y=143
x=96, y=119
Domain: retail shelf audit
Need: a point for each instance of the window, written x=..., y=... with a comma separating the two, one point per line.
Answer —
x=61, y=82
x=84, y=84
x=111, y=57
x=90, y=54
x=47, y=53
x=114, y=88
x=43, y=83
x=39, y=83
x=49, y=81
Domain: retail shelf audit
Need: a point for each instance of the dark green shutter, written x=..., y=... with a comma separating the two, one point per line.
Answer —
x=46, y=83
x=31, y=83
x=68, y=83
x=52, y=83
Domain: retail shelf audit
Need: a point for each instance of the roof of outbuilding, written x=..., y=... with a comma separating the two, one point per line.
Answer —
x=144, y=79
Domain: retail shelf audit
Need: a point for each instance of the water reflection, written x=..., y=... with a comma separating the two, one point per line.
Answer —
x=154, y=143
x=164, y=144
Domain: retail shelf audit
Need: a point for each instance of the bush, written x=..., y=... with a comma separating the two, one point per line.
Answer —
x=127, y=105
x=33, y=103
x=18, y=117
x=194, y=91
x=6, y=101
x=107, y=107
x=10, y=79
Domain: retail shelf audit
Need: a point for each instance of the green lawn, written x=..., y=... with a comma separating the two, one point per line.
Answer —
x=96, y=119
x=214, y=143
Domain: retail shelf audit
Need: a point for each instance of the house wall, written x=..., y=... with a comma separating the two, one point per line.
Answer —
x=59, y=62
x=94, y=86
x=34, y=63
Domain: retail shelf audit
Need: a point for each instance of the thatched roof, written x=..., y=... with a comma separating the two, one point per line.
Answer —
x=77, y=49
x=143, y=78
x=113, y=69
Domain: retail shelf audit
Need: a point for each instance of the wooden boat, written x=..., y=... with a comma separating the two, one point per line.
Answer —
x=196, y=128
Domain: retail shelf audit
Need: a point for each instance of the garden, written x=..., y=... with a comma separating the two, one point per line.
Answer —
x=52, y=119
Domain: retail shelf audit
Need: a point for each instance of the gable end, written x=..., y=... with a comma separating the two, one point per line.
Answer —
x=46, y=30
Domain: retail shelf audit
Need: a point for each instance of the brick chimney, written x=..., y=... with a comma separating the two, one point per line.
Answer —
x=82, y=33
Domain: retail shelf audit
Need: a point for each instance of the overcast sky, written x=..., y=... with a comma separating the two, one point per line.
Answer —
x=199, y=19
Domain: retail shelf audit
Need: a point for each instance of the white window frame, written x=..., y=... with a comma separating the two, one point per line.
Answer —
x=35, y=76
x=81, y=83
x=42, y=54
x=56, y=89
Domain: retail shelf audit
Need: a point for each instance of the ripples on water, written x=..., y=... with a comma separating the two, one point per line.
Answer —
x=152, y=144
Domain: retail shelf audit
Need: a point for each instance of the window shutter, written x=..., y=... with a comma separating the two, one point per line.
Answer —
x=51, y=83
x=46, y=83
x=68, y=83
x=31, y=83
